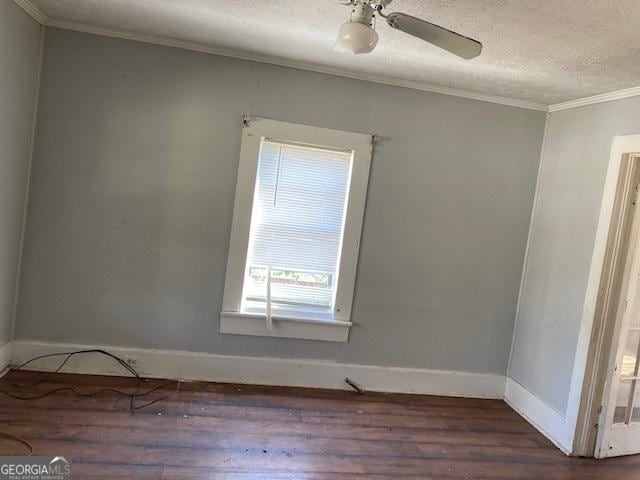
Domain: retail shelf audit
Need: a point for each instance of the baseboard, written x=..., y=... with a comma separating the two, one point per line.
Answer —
x=5, y=357
x=183, y=365
x=194, y=366
x=551, y=423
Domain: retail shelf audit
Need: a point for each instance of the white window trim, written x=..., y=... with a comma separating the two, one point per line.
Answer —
x=232, y=319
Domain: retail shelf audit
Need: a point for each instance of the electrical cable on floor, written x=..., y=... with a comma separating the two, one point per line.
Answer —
x=124, y=364
x=20, y=440
x=132, y=396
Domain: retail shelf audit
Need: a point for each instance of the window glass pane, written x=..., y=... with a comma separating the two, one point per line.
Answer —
x=296, y=225
x=630, y=354
x=622, y=401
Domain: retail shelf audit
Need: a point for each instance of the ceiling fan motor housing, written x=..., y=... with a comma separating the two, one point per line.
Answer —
x=362, y=13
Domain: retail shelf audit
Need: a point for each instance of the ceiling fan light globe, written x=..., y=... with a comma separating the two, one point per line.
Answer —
x=357, y=37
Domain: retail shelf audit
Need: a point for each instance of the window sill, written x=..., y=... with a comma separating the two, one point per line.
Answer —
x=242, y=323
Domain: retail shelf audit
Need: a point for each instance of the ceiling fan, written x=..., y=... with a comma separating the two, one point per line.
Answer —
x=358, y=35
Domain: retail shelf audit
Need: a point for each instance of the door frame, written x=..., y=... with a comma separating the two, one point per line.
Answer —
x=622, y=434
x=602, y=298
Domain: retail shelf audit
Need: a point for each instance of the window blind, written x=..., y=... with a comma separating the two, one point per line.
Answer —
x=296, y=225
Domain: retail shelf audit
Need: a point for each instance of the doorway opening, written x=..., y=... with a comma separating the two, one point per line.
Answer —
x=609, y=412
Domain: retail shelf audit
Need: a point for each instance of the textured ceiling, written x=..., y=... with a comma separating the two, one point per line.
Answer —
x=543, y=51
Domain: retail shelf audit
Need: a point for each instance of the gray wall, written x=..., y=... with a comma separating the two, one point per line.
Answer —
x=132, y=197
x=563, y=235
x=19, y=62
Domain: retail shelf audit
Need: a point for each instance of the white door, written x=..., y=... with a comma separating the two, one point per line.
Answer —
x=619, y=431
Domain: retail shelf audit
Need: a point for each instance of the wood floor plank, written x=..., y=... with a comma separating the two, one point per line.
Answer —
x=273, y=429
x=242, y=432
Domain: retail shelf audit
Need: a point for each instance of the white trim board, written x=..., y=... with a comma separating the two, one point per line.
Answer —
x=330, y=325
x=183, y=365
x=40, y=17
x=527, y=250
x=604, y=97
x=273, y=60
x=32, y=10
x=551, y=423
x=283, y=62
x=25, y=206
x=5, y=357
x=621, y=145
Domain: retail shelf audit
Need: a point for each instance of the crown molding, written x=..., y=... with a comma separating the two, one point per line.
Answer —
x=255, y=57
x=41, y=18
x=604, y=97
x=33, y=11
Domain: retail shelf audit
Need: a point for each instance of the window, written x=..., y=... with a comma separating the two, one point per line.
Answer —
x=296, y=226
x=296, y=231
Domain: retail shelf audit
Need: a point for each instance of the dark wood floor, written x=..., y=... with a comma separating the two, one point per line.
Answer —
x=223, y=431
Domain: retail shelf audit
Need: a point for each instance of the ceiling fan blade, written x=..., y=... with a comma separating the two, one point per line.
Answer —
x=453, y=42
